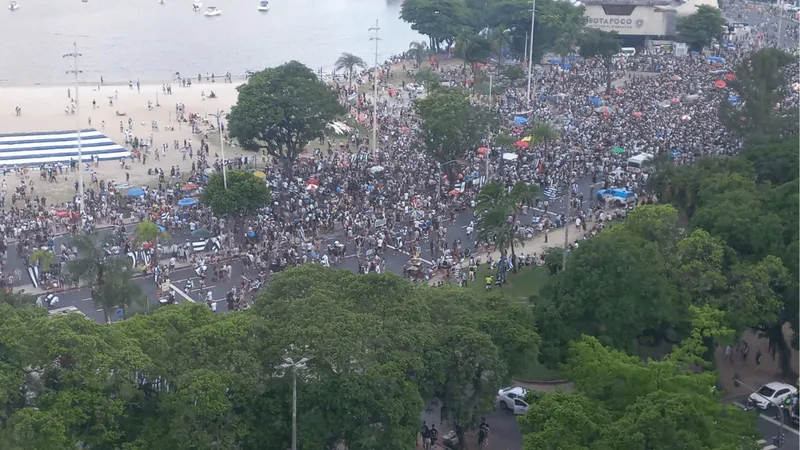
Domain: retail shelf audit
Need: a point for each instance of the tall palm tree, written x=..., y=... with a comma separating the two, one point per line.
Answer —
x=543, y=133
x=499, y=38
x=117, y=290
x=417, y=50
x=499, y=209
x=349, y=62
x=150, y=232
x=88, y=266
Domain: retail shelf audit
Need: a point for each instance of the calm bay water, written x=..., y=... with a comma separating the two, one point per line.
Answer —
x=143, y=39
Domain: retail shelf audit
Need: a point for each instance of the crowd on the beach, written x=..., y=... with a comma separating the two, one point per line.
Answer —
x=344, y=198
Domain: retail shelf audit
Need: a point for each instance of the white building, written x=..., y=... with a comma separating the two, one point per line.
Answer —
x=644, y=18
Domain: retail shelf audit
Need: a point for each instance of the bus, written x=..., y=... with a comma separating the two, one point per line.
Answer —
x=635, y=163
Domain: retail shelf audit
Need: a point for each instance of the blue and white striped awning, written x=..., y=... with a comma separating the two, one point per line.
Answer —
x=21, y=149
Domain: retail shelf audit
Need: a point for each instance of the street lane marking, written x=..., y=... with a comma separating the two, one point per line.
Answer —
x=86, y=299
x=181, y=293
x=770, y=419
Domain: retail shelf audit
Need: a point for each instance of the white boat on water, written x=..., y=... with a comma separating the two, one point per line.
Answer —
x=196, y=6
x=263, y=5
x=13, y=6
x=212, y=11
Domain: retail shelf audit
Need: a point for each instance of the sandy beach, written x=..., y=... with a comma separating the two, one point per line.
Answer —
x=43, y=109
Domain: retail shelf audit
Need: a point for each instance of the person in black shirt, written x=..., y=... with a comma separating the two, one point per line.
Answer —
x=483, y=434
x=426, y=437
x=434, y=435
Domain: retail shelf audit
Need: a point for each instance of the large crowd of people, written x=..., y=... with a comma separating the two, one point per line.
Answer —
x=348, y=199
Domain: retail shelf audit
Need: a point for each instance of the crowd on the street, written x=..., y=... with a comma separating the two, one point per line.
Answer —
x=366, y=199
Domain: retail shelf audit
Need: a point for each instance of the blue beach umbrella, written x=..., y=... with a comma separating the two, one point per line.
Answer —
x=520, y=120
x=187, y=201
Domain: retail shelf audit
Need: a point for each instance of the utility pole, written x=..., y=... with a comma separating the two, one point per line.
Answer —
x=569, y=212
x=526, y=48
x=75, y=55
x=375, y=91
x=530, y=59
x=218, y=115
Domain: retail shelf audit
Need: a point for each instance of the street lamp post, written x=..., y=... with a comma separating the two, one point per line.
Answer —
x=530, y=58
x=294, y=365
x=75, y=55
x=375, y=91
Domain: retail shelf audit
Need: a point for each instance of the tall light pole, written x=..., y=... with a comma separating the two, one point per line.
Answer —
x=778, y=440
x=780, y=23
x=75, y=55
x=569, y=210
x=294, y=365
x=375, y=90
x=530, y=58
x=218, y=115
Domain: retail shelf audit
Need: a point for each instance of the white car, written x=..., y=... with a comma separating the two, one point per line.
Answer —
x=413, y=87
x=771, y=394
x=513, y=398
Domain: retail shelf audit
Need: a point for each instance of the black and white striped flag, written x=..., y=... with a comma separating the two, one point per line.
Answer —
x=550, y=193
x=33, y=273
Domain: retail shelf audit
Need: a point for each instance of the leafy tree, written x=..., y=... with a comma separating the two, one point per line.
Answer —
x=545, y=134
x=417, y=50
x=428, y=78
x=88, y=266
x=245, y=194
x=602, y=45
x=775, y=163
x=450, y=126
x=118, y=291
x=701, y=27
x=440, y=20
x=473, y=47
x=617, y=286
x=622, y=402
x=498, y=209
x=281, y=109
x=514, y=73
x=149, y=232
x=759, y=117
x=349, y=62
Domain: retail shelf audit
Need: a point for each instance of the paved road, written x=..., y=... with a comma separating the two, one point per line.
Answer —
x=769, y=426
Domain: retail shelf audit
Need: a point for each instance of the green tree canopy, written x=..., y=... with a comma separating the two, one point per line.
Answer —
x=450, y=126
x=184, y=378
x=701, y=27
x=621, y=402
x=761, y=115
x=245, y=194
x=603, y=45
x=281, y=109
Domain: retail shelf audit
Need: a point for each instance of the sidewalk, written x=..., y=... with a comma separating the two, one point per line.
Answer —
x=752, y=376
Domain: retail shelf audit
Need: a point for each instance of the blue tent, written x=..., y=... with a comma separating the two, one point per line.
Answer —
x=135, y=192
x=716, y=59
x=187, y=201
x=553, y=61
x=597, y=101
x=566, y=66
x=520, y=120
x=733, y=99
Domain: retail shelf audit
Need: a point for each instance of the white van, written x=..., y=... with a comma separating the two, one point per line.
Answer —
x=635, y=163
